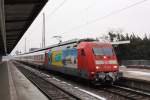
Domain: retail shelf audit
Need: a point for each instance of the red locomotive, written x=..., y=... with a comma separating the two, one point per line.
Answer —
x=85, y=58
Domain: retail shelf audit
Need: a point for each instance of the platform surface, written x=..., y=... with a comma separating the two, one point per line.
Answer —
x=4, y=82
x=135, y=73
x=15, y=86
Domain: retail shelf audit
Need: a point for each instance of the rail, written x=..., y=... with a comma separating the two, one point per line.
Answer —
x=128, y=93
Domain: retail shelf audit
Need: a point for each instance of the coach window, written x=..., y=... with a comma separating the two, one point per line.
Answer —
x=75, y=46
x=41, y=57
x=82, y=52
x=68, y=46
x=38, y=57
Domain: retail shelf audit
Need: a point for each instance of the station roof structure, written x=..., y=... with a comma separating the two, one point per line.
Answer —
x=15, y=18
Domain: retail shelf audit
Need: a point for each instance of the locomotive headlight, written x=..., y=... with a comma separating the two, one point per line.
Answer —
x=104, y=57
x=115, y=67
x=97, y=67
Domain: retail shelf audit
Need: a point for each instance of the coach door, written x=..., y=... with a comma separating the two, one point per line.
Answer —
x=82, y=60
x=82, y=63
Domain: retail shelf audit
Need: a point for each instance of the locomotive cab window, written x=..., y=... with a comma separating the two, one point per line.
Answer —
x=103, y=51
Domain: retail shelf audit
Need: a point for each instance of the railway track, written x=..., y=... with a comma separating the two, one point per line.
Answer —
x=127, y=93
x=51, y=91
x=114, y=92
x=53, y=88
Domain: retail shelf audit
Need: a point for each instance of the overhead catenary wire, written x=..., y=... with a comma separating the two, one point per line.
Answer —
x=106, y=16
x=58, y=7
x=62, y=3
x=90, y=6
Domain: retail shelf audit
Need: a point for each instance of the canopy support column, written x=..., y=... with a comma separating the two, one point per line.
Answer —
x=2, y=24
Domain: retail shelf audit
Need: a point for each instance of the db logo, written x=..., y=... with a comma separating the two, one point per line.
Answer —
x=105, y=62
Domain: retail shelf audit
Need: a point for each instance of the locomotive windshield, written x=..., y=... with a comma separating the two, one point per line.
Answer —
x=103, y=51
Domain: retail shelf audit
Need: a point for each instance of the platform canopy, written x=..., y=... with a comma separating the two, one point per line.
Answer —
x=15, y=18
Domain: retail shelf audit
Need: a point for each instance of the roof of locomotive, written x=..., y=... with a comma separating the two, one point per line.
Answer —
x=77, y=41
x=94, y=44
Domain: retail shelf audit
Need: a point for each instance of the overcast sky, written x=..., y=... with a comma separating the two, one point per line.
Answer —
x=87, y=18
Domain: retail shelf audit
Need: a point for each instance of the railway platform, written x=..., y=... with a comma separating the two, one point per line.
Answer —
x=136, y=78
x=136, y=73
x=15, y=86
